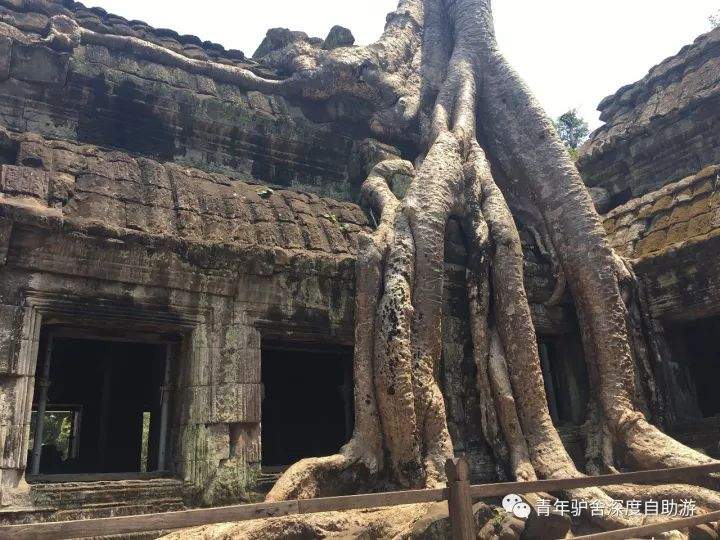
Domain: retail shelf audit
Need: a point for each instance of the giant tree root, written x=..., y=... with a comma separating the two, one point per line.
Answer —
x=402, y=429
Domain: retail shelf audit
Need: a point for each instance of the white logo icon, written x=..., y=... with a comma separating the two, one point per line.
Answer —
x=514, y=504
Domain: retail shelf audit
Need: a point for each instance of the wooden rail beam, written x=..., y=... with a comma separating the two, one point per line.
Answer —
x=205, y=516
x=653, y=529
x=683, y=475
x=59, y=530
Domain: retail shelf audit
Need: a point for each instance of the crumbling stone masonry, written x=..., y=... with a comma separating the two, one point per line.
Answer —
x=142, y=202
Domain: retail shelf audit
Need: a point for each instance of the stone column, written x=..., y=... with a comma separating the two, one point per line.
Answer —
x=220, y=442
x=19, y=336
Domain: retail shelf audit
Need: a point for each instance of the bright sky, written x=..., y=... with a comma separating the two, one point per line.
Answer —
x=572, y=53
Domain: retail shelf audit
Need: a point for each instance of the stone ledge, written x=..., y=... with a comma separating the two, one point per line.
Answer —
x=685, y=211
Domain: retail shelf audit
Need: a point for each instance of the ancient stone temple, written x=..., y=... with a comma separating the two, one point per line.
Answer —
x=177, y=265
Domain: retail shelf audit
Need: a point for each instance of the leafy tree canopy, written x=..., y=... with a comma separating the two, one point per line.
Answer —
x=715, y=19
x=572, y=128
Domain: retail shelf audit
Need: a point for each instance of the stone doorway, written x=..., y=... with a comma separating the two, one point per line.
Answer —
x=99, y=406
x=307, y=407
x=695, y=352
x=565, y=377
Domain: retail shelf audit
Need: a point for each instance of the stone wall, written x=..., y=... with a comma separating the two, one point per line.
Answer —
x=119, y=99
x=672, y=235
x=687, y=211
x=139, y=196
x=99, y=239
x=659, y=129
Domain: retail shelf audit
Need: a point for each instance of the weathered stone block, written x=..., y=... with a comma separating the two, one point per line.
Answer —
x=35, y=154
x=334, y=235
x=267, y=234
x=292, y=236
x=11, y=444
x=10, y=337
x=677, y=233
x=224, y=365
x=700, y=205
x=651, y=243
x=218, y=443
x=625, y=219
x=38, y=64
x=24, y=181
x=300, y=207
x=260, y=212
x=94, y=205
x=245, y=442
x=338, y=36
x=238, y=402
x=199, y=401
x=704, y=186
x=662, y=203
x=5, y=57
x=700, y=225
x=680, y=214
x=645, y=211
x=60, y=188
x=200, y=366
x=660, y=221
x=5, y=234
x=244, y=234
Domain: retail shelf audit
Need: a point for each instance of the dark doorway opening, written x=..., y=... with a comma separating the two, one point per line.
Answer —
x=565, y=377
x=307, y=407
x=103, y=407
x=695, y=350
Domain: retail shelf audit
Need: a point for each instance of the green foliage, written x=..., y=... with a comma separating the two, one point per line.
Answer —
x=56, y=431
x=715, y=19
x=145, y=444
x=573, y=130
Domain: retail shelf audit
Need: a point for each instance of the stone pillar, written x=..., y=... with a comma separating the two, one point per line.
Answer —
x=220, y=441
x=19, y=331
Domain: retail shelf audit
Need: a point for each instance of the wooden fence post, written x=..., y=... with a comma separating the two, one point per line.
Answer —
x=462, y=520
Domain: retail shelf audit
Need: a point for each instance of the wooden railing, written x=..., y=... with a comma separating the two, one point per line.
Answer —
x=459, y=494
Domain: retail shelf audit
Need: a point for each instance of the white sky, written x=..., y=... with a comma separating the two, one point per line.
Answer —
x=573, y=53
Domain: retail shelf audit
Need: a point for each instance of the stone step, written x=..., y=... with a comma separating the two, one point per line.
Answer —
x=19, y=515
x=87, y=500
x=94, y=511
x=265, y=482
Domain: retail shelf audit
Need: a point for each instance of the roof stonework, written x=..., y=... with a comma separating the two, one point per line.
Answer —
x=661, y=128
x=679, y=213
x=89, y=184
x=32, y=16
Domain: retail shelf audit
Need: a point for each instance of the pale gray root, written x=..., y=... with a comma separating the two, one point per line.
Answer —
x=505, y=402
x=512, y=316
x=525, y=144
x=599, y=454
x=478, y=285
x=548, y=251
x=453, y=178
x=359, y=463
x=500, y=423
